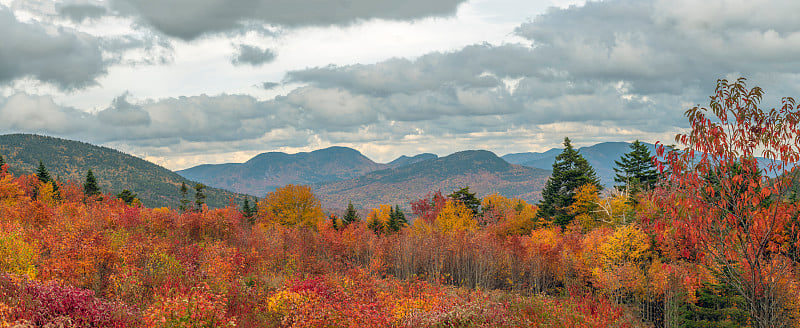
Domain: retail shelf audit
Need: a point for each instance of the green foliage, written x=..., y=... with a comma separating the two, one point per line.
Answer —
x=43, y=174
x=249, y=212
x=127, y=196
x=90, y=187
x=718, y=306
x=350, y=215
x=185, y=201
x=468, y=199
x=635, y=169
x=570, y=171
x=199, y=195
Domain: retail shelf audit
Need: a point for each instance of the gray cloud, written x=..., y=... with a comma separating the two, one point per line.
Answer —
x=123, y=113
x=65, y=58
x=252, y=55
x=188, y=19
x=81, y=12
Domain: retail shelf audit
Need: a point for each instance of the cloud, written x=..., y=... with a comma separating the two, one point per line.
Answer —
x=63, y=57
x=123, y=113
x=81, y=12
x=252, y=55
x=189, y=19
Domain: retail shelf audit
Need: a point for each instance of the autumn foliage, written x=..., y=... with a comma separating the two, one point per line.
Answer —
x=714, y=244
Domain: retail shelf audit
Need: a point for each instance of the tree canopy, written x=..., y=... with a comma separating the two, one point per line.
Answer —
x=570, y=171
x=635, y=170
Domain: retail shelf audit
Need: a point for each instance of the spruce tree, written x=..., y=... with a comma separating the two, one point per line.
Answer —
x=635, y=169
x=350, y=215
x=401, y=217
x=393, y=224
x=467, y=198
x=90, y=187
x=127, y=196
x=42, y=173
x=199, y=196
x=2, y=162
x=570, y=171
x=184, y=201
x=247, y=211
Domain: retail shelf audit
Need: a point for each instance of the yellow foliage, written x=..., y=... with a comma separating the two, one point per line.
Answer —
x=455, y=216
x=291, y=205
x=10, y=192
x=517, y=217
x=379, y=216
x=17, y=256
x=628, y=244
x=46, y=195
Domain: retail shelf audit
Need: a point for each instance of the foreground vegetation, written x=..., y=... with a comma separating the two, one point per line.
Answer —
x=714, y=243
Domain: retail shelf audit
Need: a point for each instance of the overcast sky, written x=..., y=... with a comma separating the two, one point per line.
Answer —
x=186, y=82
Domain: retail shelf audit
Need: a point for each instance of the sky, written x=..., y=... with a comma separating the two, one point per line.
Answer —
x=188, y=82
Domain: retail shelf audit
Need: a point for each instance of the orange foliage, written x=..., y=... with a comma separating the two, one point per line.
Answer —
x=291, y=205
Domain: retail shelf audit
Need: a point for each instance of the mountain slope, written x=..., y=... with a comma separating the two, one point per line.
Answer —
x=69, y=160
x=481, y=170
x=601, y=156
x=405, y=160
x=265, y=172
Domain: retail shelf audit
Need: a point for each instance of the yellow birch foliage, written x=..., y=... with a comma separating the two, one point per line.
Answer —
x=291, y=205
x=628, y=244
x=17, y=256
x=379, y=216
x=455, y=216
x=517, y=216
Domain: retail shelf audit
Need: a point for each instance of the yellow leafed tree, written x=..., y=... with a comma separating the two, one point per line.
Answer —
x=378, y=218
x=514, y=216
x=291, y=205
x=455, y=216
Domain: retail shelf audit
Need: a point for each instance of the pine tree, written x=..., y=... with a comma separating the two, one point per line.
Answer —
x=184, y=201
x=468, y=199
x=44, y=177
x=635, y=170
x=42, y=173
x=90, y=187
x=199, y=196
x=401, y=217
x=393, y=224
x=247, y=211
x=350, y=215
x=127, y=196
x=570, y=171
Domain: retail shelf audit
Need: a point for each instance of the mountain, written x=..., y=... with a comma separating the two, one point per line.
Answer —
x=405, y=160
x=70, y=160
x=267, y=171
x=481, y=170
x=601, y=156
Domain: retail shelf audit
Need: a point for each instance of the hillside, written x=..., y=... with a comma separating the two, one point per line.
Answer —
x=265, y=172
x=405, y=160
x=601, y=156
x=69, y=160
x=481, y=170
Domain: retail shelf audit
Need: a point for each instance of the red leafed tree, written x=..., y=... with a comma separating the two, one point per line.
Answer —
x=736, y=212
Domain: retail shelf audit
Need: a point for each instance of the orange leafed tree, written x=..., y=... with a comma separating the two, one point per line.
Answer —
x=735, y=211
x=291, y=205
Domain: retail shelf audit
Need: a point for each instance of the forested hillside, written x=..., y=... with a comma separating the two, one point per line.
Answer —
x=68, y=160
x=481, y=170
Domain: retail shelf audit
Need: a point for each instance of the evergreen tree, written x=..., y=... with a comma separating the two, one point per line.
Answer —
x=570, y=171
x=127, y=196
x=44, y=177
x=42, y=173
x=90, y=187
x=467, y=198
x=718, y=306
x=635, y=169
x=393, y=224
x=199, y=196
x=2, y=162
x=184, y=200
x=334, y=222
x=350, y=215
x=401, y=217
x=247, y=211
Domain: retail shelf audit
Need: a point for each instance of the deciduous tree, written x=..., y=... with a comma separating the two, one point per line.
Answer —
x=734, y=214
x=291, y=205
